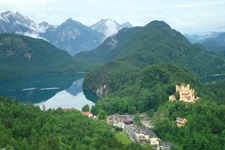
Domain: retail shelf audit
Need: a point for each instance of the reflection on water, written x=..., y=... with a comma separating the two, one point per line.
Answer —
x=73, y=97
x=64, y=99
x=53, y=92
x=51, y=88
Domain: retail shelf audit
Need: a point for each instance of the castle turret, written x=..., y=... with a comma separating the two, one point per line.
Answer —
x=186, y=94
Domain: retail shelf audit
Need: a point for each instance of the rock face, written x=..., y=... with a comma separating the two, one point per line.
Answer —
x=102, y=91
x=15, y=23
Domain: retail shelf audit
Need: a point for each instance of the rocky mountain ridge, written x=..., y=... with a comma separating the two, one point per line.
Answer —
x=71, y=35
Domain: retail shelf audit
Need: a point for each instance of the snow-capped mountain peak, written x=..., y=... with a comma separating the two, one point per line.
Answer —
x=70, y=35
x=127, y=25
x=107, y=27
x=17, y=18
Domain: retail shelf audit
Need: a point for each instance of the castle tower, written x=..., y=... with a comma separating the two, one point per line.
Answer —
x=186, y=94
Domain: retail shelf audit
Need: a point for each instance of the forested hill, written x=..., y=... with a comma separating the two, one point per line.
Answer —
x=22, y=56
x=159, y=54
x=128, y=90
x=154, y=43
x=26, y=127
x=205, y=128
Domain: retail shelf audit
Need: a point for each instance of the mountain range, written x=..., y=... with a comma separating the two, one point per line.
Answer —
x=213, y=42
x=125, y=53
x=71, y=35
x=154, y=43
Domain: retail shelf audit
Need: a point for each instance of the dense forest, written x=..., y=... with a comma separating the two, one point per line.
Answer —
x=205, y=128
x=141, y=71
x=141, y=90
x=22, y=56
x=25, y=127
x=217, y=91
x=133, y=71
x=154, y=43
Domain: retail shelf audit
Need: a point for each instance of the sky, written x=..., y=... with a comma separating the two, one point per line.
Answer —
x=187, y=16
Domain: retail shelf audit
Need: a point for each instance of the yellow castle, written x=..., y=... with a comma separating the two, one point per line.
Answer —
x=186, y=94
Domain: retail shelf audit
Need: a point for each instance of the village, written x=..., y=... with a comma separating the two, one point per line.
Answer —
x=142, y=131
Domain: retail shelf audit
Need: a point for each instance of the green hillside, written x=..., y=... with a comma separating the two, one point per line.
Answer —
x=131, y=90
x=154, y=43
x=142, y=69
x=204, y=129
x=22, y=56
x=26, y=127
x=217, y=90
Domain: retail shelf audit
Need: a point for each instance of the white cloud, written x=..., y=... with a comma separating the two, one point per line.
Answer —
x=33, y=35
x=185, y=16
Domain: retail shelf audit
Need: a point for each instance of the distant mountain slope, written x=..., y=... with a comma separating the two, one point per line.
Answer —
x=213, y=42
x=154, y=43
x=109, y=27
x=194, y=38
x=211, y=45
x=220, y=39
x=73, y=37
x=22, y=56
x=110, y=48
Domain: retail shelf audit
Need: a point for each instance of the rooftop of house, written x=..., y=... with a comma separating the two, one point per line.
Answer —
x=181, y=121
x=69, y=109
x=86, y=113
x=121, y=117
x=146, y=132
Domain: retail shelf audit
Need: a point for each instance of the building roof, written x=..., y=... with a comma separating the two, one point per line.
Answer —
x=146, y=132
x=86, y=113
x=167, y=144
x=69, y=109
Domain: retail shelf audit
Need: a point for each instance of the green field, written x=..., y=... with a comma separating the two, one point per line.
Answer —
x=122, y=137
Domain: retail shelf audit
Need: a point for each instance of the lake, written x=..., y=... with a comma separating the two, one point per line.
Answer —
x=63, y=91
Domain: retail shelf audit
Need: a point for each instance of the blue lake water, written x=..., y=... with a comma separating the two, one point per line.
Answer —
x=51, y=91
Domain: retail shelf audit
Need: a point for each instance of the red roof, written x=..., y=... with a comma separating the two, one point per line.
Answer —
x=69, y=108
x=86, y=113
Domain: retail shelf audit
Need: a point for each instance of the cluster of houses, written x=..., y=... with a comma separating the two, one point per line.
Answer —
x=140, y=134
x=144, y=135
x=120, y=120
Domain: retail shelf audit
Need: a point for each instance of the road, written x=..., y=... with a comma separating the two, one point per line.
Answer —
x=129, y=132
